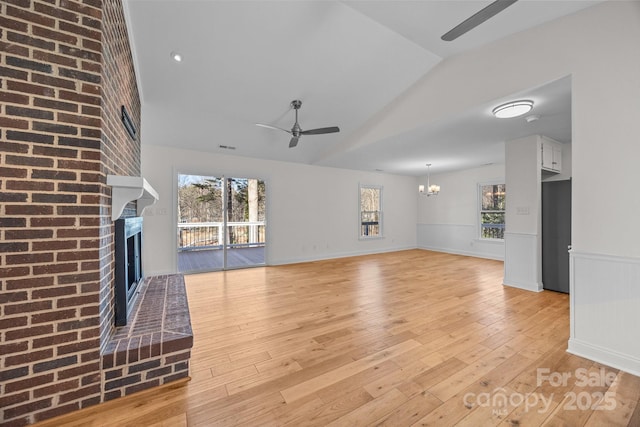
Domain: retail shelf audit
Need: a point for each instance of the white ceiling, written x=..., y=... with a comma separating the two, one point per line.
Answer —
x=245, y=61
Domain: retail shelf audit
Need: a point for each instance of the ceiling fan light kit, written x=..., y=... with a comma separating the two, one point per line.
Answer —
x=296, y=131
x=513, y=109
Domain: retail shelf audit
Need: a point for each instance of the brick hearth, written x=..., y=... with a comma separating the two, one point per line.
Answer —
x=155, y=346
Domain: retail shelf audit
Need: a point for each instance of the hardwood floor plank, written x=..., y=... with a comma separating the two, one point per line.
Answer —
x=291, y=412
x=371, y=411
x=621, y=406
x=241, y=411
x=331, y=411
x=444, y=390
x=252, y=359
x=177, y=421
x=634, y=420
x=392, y=339
x=285, y=367
x=396, y=377
x=312, y=385
x=226, y=378
x=358, y=381
x=431, y=377
x=466, y=401
x=493, y=383
x=410, y=411
x=526, y=383
x=584, y=395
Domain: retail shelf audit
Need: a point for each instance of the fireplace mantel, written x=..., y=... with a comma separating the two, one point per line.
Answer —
x=127, y=189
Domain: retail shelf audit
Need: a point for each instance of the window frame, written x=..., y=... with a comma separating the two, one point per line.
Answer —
x=380, y=212
x=480, y=211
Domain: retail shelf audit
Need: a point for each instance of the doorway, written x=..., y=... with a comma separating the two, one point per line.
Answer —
x=221, y=223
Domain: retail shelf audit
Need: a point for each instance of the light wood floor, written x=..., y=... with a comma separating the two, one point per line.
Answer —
x=398, y=339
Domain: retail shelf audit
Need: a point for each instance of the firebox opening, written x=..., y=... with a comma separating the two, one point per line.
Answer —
x=128, y=268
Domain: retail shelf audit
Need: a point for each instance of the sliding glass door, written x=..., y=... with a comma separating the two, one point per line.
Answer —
x=221, y=223
x=245, y=222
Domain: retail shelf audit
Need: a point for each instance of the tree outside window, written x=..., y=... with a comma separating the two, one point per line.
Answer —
x=370, y=211
x=492, y=211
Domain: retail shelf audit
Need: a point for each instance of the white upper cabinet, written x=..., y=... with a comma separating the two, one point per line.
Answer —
x=551, y=155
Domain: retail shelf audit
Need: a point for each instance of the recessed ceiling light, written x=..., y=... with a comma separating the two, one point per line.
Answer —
x=513, y=109
x=176, y=56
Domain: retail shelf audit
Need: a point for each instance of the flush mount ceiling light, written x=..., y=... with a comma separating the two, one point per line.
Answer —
x=512, y=109
x=176, y=56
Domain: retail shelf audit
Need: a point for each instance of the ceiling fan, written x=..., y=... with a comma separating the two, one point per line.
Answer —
x=296, y=131
x=477, y=19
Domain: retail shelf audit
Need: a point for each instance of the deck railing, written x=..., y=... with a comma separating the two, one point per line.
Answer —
x=492, y=231
x=210, y=235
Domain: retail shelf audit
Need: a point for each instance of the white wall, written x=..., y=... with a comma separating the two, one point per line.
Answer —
x=522, y=158
x=448, y=222
x=522, y=266
x=599, y=48
x=312, y=212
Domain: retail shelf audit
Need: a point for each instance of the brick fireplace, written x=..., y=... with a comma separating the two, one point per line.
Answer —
x=65, y=71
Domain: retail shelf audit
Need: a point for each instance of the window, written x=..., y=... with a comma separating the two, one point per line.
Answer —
x=370, y=211
x=492, y=205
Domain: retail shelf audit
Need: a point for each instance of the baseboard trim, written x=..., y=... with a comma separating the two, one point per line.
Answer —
x=339, y=255
x=464, y=253
x=532, y=287
x=605, y=356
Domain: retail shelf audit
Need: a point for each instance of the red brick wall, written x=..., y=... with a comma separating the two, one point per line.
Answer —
x=65, y=69
x=120, y=152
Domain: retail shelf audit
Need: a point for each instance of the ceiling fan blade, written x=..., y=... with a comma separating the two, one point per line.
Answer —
x=293, y=142
x=319, y=131
x=272, y=127
x=477, y=19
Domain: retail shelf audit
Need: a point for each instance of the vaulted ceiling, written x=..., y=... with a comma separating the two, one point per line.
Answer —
x=243, y=62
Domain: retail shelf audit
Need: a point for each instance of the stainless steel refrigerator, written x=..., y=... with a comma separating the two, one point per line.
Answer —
x=556, y=234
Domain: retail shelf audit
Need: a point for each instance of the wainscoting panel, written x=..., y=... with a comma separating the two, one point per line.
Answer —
x=605, y=308
x=458, y=239
x=522, y=268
